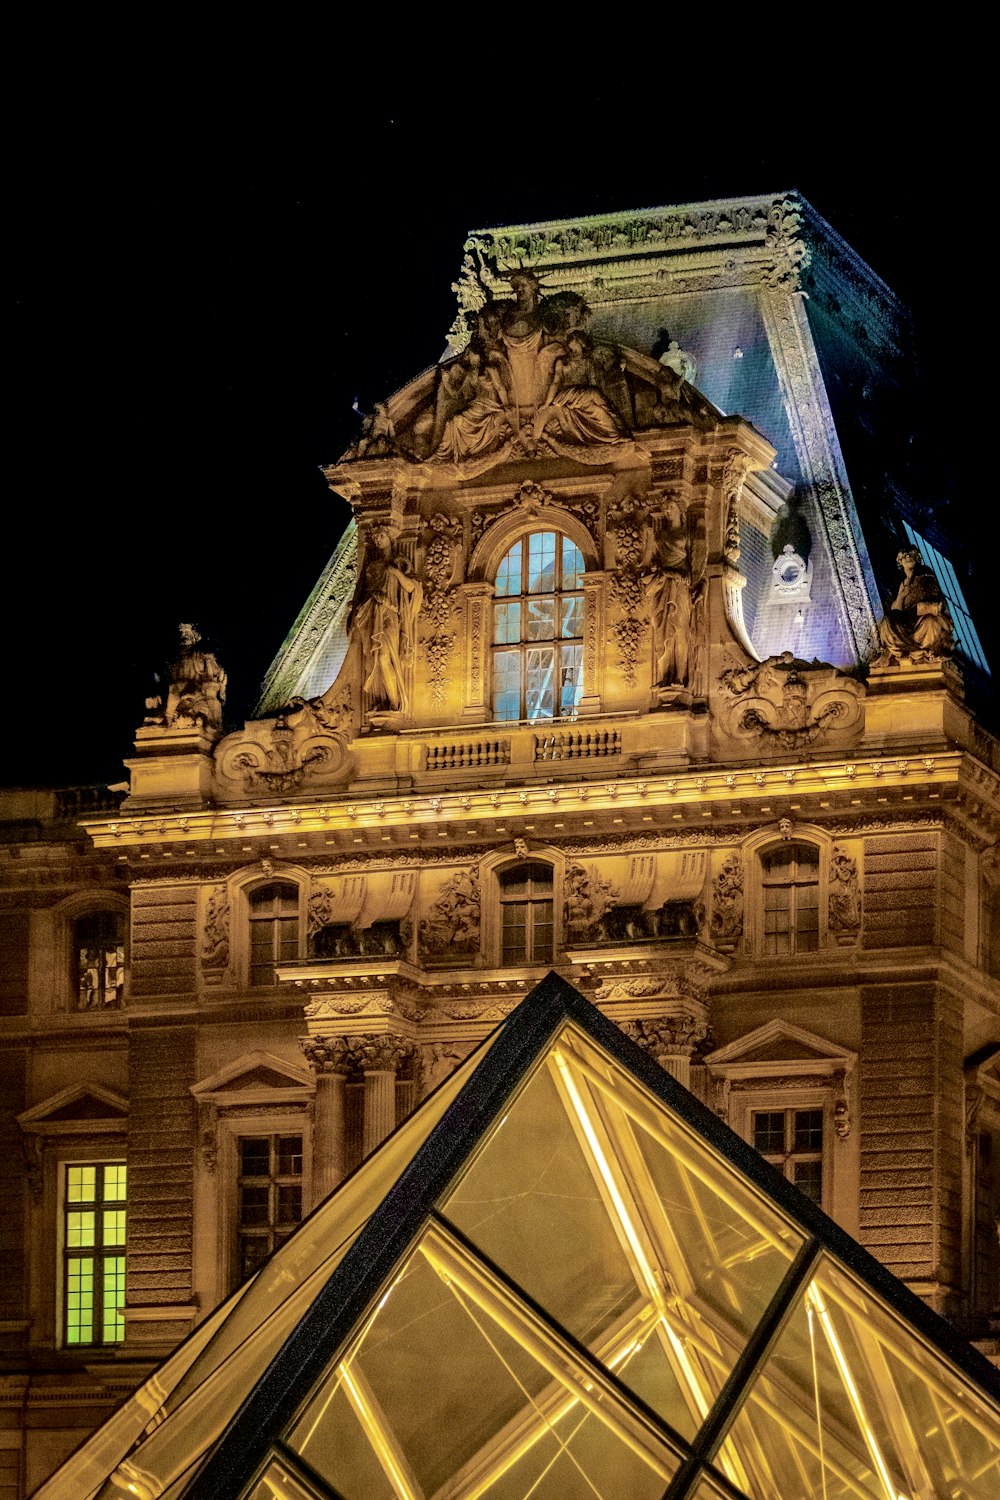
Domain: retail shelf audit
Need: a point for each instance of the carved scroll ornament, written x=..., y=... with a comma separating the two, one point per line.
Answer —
x=787, y=703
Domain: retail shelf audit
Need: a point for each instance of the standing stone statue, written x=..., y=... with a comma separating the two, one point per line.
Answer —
x=385, y=623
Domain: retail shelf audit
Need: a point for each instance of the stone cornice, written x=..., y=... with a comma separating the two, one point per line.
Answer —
x=740, y=787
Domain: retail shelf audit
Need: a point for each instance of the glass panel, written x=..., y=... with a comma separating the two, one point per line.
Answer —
x=515, y=931
x=509, y=572
x=254, y=1205
x=79, y=1300
x=114, y=1226
x=541, y=562
x=572, y=565
x=279, y=1483
x=113, y=1331
x=628, y=1231
x=541, y=621
x=255, y=1156
x=115, y=1178
x=504, y=1412
x=81, y=1184
x=80, y=1229
x=571, y=678
x=808, y=1133
x=507, y=624
x=853, y=1403
x=507, y=684
x=289, y=1204
x=540, y=695
x=808, y=1178
x=769, y=1132
x=571, y=616
x=289, y=1155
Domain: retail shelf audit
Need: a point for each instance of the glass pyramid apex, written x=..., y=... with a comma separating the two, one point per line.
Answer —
x=566, y=1277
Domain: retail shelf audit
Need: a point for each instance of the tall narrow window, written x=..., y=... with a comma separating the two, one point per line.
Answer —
x=526, y=914
x=274, y=930
x=792, y=1141
x=270, y=1196
x=99, y=959
x=538, y=629
x=94, y=1218
x=791, y=899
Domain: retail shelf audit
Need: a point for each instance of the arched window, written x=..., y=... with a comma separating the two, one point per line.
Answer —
x=538, y=629
x=274, y=929
x=526, y=935
x=791, y=899
x=99, y=959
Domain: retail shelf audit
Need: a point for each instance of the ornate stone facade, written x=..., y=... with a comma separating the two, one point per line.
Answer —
x=523, y=724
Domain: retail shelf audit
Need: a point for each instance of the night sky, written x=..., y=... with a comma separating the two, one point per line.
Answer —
x=195, y=311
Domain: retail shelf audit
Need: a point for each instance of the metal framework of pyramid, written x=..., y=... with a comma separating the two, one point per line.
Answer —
x=561, y=1277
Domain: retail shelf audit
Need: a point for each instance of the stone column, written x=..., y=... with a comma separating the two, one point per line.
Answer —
x=379, y=1058
x=332, y=1061
x=672, y=1041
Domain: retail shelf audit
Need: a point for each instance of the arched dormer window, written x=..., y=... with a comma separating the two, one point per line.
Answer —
x=538, y=629
x=274, y=929
x=790, y=880
x=526, y=913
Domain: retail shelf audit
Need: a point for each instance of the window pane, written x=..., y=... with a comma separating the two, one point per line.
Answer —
x=570, y=679
x=509, y=572
x=114, y=1182
x=79, y=1301
x=541, y=562
x=114, y=1226
x=540, y=695
x=808, y=1134
x=808, y=1178
x=113, y=1326
x=255, y=1157
x=80, y=1184
x=769, y=1132
x=507, y=624
x=80, y=1229
x=289, y=1156
x=289, y=1204
x=571, y=621
x=541, y=944
x=515, y=926
x=572, y=565
x=254, y=1205
x=507, y=685
x=541, y=620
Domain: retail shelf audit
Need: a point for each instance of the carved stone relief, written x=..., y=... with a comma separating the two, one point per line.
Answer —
x=586, y=898
x=626, y=585
x=452, y=925
x=791, y=254
x=215, y=939
x=306, y=741
x=788, y=703
x=845, y=897
x=442, y=561
x=727, y=904
x=368, y=1052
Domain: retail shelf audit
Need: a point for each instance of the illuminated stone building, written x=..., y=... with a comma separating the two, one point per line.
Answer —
x=599, y=679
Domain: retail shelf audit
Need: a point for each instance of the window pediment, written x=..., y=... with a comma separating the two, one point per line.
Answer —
x=778, y=1043
x=84, y=1105
x=254, y=1076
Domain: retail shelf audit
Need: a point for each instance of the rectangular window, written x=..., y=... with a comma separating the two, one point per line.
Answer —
x=792, y=1141
x=966, y=634
x=94, y=1227
x=270, y=1197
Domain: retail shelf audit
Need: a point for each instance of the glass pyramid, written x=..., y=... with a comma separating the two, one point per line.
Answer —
x=562, y=1277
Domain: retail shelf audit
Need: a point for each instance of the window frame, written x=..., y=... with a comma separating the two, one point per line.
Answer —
x=66, y=1254
x=794, y=908
x=507, y=875
x=557, y=641
x=63, y=982
x=241, y=888
x=275, y=1180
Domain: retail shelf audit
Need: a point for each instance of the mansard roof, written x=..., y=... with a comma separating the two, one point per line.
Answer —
x=562, y=1276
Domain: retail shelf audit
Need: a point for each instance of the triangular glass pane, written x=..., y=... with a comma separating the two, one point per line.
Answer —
x=626, y=1227
x=852, y=1402
x=460, y=1391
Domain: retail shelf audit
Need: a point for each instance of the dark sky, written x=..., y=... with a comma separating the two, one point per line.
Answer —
x=195, y=309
